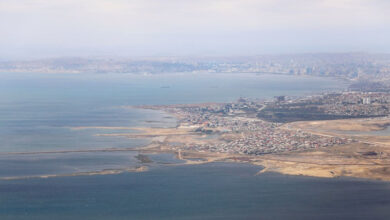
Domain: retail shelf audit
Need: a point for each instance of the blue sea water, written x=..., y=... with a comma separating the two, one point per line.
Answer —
x=38, y=112
x=213, y=191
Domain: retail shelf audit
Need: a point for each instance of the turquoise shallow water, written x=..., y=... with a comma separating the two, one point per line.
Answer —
x=38, y=110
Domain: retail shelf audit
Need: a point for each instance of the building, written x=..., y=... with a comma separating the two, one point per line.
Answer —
x=366, y=100
x=280, y=98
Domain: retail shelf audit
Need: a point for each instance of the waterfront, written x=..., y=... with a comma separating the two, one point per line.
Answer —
x=39, y=113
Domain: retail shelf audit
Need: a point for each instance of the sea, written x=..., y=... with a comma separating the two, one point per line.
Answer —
x=50, y=125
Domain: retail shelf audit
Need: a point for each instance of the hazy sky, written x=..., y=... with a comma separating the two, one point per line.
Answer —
x=47, y=28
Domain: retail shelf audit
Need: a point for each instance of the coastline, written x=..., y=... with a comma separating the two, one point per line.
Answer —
x=350, y=160
x=285, y=164
x=337, y=161
x=89, y=173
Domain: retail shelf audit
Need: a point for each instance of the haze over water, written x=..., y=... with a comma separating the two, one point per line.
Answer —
x=38, y=112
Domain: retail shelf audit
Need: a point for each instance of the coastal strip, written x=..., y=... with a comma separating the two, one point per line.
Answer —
x=90, y=173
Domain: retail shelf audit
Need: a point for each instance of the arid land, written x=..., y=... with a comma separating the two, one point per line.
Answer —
x=319, y=148
x=288, y=136
x=360, y=160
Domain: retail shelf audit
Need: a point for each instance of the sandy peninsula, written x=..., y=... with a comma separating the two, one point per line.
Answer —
x=366, y=158
x=91, y=173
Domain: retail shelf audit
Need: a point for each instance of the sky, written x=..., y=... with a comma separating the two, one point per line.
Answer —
x=55, y=28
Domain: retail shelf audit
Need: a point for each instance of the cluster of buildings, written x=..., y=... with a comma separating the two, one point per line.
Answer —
x=276, y=140
x=246, y=135
x=332, y=106
x=356, y=104
x=346, y=65
x=241, y=131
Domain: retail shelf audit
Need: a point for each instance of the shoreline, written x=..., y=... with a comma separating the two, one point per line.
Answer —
x=88, y=173
x=337, y=161
x=357, y=159
x=285, y=166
